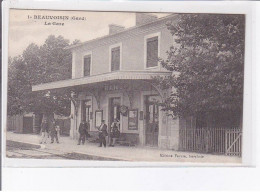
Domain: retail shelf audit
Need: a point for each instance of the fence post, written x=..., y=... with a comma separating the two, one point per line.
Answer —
x=226, y=142
x=207, y=140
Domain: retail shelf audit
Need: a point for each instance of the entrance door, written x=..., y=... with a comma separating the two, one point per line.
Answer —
x=86, y=110
x=114, y=110
x=152, y=120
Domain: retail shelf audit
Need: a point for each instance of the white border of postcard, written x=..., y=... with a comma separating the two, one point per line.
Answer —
x=167, y=6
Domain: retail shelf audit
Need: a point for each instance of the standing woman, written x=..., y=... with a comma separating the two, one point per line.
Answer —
x=115, y=132
x=44, y=131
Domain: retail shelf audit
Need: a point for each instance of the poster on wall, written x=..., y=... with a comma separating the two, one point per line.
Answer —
x=133, y=119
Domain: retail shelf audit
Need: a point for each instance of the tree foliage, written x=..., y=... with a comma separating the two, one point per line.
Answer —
x=39, y=64
x=207, y=61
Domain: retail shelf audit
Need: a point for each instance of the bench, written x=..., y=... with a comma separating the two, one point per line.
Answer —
x=122, y=140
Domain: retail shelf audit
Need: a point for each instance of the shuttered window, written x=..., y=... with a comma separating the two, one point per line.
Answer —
x=115, y=58
x=152, y=52
x=87, y=63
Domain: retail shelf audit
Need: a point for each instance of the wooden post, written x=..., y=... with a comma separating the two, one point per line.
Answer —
x=226, y=142
x=207, y=140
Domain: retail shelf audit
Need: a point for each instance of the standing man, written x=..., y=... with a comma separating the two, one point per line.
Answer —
x=53, y=131
x=102, y=130
x=82, y=132
x=44, y=131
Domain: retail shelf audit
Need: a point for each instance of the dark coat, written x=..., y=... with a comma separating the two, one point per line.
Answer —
x=45, y=127
x=115, y=133
x=103, y=130
x=83, y=128
x=52, y=126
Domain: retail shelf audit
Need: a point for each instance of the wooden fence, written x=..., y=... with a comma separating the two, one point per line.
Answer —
x=216, y=141
x=12, y=122
x=233, y=142
x=15, y=123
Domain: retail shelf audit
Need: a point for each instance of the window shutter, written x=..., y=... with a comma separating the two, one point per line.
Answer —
x=87, y=62
x=152, y=52
x=115, y=59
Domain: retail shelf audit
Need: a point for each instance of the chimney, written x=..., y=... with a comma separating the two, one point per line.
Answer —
x=113, y=28
x=143, y=18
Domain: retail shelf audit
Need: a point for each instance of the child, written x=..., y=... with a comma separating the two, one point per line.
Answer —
x=57, y=128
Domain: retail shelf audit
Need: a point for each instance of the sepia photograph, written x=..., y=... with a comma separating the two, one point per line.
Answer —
x=125, y=86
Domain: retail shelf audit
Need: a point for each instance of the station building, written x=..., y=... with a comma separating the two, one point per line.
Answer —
x=113, y=77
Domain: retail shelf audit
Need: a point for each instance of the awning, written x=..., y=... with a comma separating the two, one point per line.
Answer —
x=119, y=75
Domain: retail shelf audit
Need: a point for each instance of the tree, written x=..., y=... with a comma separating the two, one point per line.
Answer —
x=17, y=85
x=47, y=63
x=55, y=65
x=207, y=61
x=55, y=60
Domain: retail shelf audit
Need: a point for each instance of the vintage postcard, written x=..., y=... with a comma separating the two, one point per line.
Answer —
x=124, y=86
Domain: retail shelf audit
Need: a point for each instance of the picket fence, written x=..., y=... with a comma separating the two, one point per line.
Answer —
x=212, y=140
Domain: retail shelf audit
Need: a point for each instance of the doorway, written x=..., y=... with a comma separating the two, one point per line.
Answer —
x=151, y=120
x=114, y=110
x=86, y=110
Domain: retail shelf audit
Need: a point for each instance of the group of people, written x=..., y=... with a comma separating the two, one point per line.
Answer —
x=53, y=130
x=102, y=132
x=49, y=129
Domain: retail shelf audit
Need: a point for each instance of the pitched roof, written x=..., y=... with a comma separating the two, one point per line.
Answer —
x=121, y=32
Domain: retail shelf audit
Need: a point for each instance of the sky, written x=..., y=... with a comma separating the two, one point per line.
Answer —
x=24, y=29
